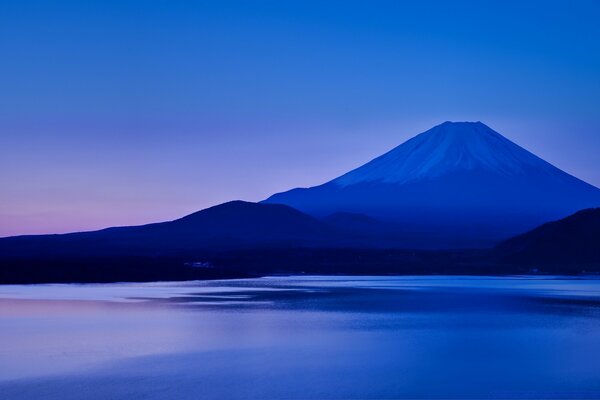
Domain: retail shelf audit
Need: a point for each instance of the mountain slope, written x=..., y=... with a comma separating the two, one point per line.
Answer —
x=448, y=148
x=572, y=240
x=458, y=184
x=235, y=224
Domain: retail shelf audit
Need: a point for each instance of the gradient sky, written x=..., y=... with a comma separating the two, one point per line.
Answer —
x=125, y=112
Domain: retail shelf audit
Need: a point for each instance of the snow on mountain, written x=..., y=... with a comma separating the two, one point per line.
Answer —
x=447, y=148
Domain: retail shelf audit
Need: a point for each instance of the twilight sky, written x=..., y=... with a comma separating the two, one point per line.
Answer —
x=120, y=112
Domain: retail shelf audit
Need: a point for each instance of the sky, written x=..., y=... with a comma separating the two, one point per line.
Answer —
x=121, y=112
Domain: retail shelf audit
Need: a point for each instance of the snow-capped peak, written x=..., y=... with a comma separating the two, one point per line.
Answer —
x=444, y=149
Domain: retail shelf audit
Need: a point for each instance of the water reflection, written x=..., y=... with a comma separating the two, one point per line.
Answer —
x=303, y=337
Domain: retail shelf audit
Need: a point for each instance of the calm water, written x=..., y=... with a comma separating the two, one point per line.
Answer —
x=303, y=338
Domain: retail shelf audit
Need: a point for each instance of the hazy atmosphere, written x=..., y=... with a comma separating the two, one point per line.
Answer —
x=127, y=112
x=299, y=200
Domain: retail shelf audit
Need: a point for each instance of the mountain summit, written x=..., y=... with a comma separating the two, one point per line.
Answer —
x=449, y=148
x=459, y=183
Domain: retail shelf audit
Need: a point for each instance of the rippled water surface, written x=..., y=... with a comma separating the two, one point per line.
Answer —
x=303, y=338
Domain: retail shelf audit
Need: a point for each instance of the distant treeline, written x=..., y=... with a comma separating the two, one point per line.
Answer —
x=259, y=262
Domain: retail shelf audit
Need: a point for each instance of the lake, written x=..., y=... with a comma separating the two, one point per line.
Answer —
x=303, y=337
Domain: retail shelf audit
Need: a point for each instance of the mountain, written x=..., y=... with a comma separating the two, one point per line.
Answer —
x=235, y=224
x=572, y=240
x=234, y=239
x=459, y=184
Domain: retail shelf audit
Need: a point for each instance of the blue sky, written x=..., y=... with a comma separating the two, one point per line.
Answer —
x=125, y=112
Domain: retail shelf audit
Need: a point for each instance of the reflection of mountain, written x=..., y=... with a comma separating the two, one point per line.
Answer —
x=456, y=184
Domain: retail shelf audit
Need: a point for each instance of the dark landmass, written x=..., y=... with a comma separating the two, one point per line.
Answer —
x=106, y=270
x=246, y=263
x=232, y=225
x=574, y=240
x=240, y=239
x=270, y=261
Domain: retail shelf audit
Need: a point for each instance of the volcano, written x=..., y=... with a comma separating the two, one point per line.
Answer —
x=457, y=184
